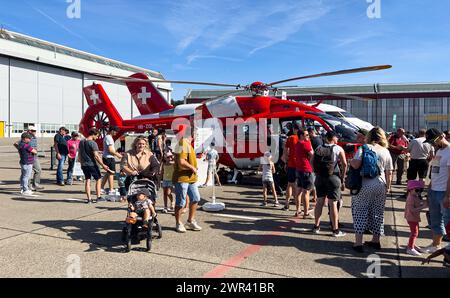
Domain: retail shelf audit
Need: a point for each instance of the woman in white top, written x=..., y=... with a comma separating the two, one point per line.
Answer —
x=368, y=204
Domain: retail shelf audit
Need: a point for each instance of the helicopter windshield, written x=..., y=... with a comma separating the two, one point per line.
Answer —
x=346, y=131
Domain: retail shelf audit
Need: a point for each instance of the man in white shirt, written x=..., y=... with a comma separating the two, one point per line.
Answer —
x=439, y=189
x=109, y=154
x=421, y=154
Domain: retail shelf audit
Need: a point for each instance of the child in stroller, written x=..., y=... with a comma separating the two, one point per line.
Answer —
x=141, y=205
x=141, y=216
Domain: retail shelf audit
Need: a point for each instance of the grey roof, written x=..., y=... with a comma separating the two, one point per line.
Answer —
x=347, y=89
x=41, y=44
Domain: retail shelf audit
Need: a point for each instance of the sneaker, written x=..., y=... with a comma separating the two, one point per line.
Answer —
x=32, y=188
x=286, y=208
x=27, y=193
x=413, y=252
x=100, y=199
x=430, y=249
x=276, y=204
x=264, y=204
x=180, y=228
x=165, y=210
x=88, y=201
x=80, y=179
x=338, y=234
x=102, y=191
x=60, y=183
x=38, y=187
x=193, y=226
x=316, y=230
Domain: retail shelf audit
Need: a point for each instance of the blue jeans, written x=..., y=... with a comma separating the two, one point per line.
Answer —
x=25, y=175
x=184, y=189
x=59, y=171
x=439, y=215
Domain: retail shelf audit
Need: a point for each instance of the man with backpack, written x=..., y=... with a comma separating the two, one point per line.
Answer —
x=330, y=166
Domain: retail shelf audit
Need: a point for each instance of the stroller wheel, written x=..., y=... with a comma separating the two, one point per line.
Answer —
x=148, y=241
x=128, y=238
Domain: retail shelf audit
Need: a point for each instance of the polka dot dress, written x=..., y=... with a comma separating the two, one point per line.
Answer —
x=368, y=207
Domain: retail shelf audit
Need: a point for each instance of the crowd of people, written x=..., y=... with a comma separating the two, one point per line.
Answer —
x=316, y=165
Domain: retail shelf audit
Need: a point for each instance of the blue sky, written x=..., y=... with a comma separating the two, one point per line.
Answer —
x=241, y=41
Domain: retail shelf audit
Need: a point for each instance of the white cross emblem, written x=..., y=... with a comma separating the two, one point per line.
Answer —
x=144, y=95
x=94, y=97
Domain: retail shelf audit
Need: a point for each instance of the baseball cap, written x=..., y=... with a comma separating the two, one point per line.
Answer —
x=31, y=128
x=432, y=135
x=415, y=184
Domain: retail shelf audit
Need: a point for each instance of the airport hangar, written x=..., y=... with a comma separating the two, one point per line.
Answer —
x=41, y=85
x=411, y=106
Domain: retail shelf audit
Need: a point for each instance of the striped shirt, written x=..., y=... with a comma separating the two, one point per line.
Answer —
x=26, y=157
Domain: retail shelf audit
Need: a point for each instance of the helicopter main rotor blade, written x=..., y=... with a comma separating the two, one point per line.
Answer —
x=334, y=94
x=334, y=73
x=129, y=79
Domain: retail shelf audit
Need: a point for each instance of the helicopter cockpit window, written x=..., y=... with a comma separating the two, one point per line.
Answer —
x=347, y=132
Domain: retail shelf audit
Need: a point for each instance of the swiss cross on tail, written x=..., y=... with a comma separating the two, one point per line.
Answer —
x=92, y=95
x=146, y=96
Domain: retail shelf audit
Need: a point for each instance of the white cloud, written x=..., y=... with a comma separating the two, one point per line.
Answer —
x=243, y=26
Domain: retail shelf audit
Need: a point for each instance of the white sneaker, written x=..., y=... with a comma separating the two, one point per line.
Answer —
x=180, y=228
x=430, y=249
x=338, y=234
x=27, y=193
x=193, y=226
x=412, y=251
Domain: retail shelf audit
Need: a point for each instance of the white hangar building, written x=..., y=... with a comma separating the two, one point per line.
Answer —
x=41, y=85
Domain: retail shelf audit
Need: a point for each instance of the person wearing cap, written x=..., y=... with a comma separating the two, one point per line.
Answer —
x=73, y=145
x=439, y=188
x=368, y=205
x=185, y=179
x=329, y=186
x=27, y=155
x=35, y=182
x=109, y=155
x=398, y=147
x=414, y=204
x=61, y=149
x=142, y=206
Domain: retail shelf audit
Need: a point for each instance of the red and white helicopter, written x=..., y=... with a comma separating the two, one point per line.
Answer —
x=234, y=114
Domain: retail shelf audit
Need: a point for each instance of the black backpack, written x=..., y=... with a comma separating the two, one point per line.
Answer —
x=323, y=163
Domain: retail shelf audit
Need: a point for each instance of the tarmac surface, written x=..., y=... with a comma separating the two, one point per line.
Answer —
x=55, y=234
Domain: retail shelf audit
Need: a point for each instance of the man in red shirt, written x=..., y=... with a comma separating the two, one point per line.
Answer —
x=305, y=182
x=289, y=159
x=398, y=146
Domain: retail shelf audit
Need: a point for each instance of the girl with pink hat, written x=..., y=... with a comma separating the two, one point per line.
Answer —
x=414, y=204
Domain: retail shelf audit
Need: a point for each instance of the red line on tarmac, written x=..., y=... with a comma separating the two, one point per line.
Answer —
x=220, y=270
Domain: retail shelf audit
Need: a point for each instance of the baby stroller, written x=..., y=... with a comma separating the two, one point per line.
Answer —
x=134, y=229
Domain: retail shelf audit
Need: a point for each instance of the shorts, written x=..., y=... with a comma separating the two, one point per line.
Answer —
x=329, y=187
x=166, y=184
x=305, y=180
x=110, y=163
x=184, y=189
x=267, y=183
x=417, y=167
x=439, y=216
x=91, y=172
x=291, y=175
x=211, y=169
